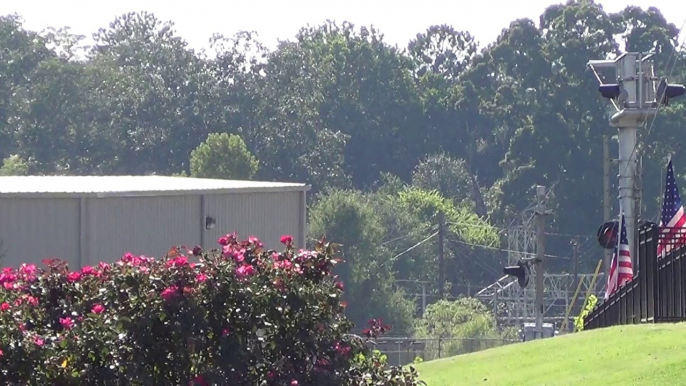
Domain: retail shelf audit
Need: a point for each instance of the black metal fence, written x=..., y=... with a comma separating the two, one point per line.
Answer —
x=657, y=293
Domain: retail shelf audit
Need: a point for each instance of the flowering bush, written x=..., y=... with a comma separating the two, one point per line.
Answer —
x=240, y=315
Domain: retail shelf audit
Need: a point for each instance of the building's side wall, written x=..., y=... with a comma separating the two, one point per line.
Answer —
x=141, y=225
x=33, y=229
x=265, y=215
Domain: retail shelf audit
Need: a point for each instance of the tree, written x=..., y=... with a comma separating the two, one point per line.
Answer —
x=458, y=325
x=14, y=166
x=223, y=156
x=347, y=217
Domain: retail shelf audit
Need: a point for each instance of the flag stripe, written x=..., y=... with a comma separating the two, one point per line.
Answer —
x=673, y=234
x=621, y=267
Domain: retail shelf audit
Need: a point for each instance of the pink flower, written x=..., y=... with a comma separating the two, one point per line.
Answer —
x=31, y=300
x=4, y=307
x=255, y=241
x=199, y=381
x=339, y=285
x=38, y=341
x=284, y=264
x=201, y=277
x=7, y=276
x=73, y=277
x=1, y=354
x=245, y=270
x=169, y=292
x=28, y=269
x=104, y=266
x=294, y=383
x=225, y=332
x=87, y=270
x=271, y=374
x=227, y=239
x=67, y=323
x=287, y=240
x=8, y=285
x=98, y=309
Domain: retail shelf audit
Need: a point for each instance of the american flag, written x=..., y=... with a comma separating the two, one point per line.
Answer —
x=621, y=269
x=673, y=221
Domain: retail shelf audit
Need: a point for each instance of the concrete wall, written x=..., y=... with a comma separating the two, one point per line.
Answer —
x=84, y=231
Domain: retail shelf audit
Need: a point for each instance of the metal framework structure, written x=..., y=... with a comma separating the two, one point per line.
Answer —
x=514, y=305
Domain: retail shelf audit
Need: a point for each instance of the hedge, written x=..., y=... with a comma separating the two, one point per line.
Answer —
x=236, y=315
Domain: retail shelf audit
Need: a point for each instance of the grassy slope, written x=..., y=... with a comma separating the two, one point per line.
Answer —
x=624, y=355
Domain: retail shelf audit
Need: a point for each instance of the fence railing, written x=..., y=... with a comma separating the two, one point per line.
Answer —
x=401, y=351
x=657, y=293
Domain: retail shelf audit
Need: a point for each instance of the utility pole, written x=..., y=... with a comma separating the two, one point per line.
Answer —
x=575, y=251
x=441, y=253
x=607, y=203
x=541, y=212
x=635, y=96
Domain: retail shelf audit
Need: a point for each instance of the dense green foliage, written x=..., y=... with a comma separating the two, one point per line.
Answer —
x=240, y=315
x=389, y=137
x=337, y=107
x=223, y=156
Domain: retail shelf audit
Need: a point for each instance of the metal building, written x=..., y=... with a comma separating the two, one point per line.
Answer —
x=87, y=219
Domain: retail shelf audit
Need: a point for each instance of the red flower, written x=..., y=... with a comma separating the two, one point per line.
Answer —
x=169, y=292
x=287, y=240
x=177, y=262
x=67, y=323
x=4, y=307
x=339, y=285
x=98, y=309
x=342, y=349
x=73, y=277
x=201, y=277
x=225, y=332
x=197, y=250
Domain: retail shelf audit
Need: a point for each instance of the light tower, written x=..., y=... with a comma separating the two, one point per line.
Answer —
x=636, y=94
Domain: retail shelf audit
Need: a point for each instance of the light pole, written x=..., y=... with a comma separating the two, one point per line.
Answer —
x=636, y=97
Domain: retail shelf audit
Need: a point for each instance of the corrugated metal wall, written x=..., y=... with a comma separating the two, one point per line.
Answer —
x=37, y=228
x=140, y=225
x=265, y=215
x=33, y=229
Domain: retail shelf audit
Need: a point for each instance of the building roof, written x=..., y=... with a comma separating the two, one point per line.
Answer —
x=126, y=186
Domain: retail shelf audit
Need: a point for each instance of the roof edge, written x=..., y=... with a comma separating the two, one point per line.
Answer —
x=160, y=193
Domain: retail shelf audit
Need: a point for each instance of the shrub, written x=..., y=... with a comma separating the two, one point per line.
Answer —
x=240, y=315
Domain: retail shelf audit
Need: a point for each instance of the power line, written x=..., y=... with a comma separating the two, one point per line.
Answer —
x=507, y=250
x=415, y=246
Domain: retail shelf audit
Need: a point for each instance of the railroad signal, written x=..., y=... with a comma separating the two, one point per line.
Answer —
x=666, y=91
x=607, y=234
x=614, y=91
x=521, y=271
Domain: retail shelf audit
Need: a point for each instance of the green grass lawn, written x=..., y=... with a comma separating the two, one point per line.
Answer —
x=624, y=355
